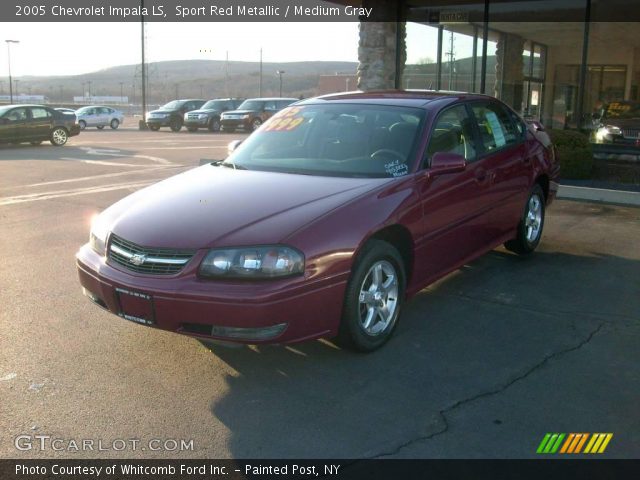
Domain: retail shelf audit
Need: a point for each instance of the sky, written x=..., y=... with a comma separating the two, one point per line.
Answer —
x=75, y=48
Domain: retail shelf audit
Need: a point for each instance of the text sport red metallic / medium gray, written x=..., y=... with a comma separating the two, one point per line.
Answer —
x=324, y=221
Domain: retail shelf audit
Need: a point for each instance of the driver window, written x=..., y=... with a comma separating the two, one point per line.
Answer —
x=17, y=115
x=453, y=133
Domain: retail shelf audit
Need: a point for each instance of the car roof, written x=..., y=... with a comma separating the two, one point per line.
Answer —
x=263, y=99
x=408, y=98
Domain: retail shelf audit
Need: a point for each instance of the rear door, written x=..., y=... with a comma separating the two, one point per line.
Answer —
x=503, y=152
x=40, y=123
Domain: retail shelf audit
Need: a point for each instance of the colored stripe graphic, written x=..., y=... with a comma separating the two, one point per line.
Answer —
x=573, y=442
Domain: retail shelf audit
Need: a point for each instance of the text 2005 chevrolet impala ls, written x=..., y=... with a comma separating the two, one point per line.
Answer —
x=325, y=220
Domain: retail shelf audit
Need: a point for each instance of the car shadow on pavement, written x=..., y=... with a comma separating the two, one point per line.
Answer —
x=469, y=336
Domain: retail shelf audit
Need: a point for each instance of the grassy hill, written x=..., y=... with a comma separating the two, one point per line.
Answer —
x=187, y=78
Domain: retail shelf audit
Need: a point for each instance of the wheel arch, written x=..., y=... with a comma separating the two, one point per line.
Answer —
x=400, y=237
x=543, y=181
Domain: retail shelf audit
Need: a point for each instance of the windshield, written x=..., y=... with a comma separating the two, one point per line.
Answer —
x=171, y=105
x=213, y=105
x=251, y=105
x=334, y=140
x=623, y=110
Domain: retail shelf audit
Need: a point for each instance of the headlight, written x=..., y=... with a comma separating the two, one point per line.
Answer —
x=246, y=115
x=271, y=261
x=612, y=130
x=98, y=236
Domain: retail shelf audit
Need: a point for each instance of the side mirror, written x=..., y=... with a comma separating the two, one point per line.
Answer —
x=447, y=162
x=233, y=146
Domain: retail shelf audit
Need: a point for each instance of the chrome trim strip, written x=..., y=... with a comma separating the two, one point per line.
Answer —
x=165, y=261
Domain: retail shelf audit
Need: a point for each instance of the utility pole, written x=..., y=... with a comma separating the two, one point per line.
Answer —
x=143, y=124
x=260, y=82
x=280, y=73
x=226, y=75
x=9, y=42
x=451, y=55
x=121, y=91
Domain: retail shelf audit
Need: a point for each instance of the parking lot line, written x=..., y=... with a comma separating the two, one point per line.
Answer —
x=34, y=197
x=105, y=175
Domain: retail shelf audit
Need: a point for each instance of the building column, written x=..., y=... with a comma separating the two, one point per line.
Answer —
x=509, y=86
x=381, y=49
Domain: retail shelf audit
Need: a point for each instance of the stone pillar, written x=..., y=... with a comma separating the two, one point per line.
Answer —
x=509, y=85
x=377, y=48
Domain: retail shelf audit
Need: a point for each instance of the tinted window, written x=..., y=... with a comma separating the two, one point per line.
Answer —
x=251, y=105
x=37, y=113
x=453, y=133
x=495, y=126
x=334, y=140
x=270, y=105
x=17, y=115
x=284, y=103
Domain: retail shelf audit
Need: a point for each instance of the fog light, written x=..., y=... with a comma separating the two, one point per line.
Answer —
x=238, y=333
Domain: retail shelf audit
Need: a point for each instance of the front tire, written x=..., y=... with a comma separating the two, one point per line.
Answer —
x=256, y=124
x=115, y=123
x=59, y=137
x=374, y=297
x=82, y=124
x=531, y=224
x=214, y=125
x=175, y=125
x=153, y=128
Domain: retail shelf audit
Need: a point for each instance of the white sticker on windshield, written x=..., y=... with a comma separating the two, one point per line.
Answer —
x=496, y=128
x=396, y=168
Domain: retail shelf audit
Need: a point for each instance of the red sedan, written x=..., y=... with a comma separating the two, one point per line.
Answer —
x=324, y=221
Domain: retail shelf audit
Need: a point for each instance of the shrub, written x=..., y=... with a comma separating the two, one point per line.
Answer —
x=574, y=152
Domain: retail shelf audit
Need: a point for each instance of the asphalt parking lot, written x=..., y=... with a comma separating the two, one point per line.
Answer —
x=483, y=363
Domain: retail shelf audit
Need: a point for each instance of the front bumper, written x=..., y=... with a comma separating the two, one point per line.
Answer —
x=197, y=123
x=158, y=122
x=283, y=311
x=233, y=123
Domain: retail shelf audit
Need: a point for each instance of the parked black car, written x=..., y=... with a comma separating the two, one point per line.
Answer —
x=253, y=113
x=619, y=124
x=171, y=115
x=208, y=116
x=36, y=123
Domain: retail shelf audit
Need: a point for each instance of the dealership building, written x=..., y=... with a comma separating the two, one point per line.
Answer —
x=556, y=61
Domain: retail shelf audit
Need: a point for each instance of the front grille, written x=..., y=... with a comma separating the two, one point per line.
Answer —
x=631, y=133
x=153, y=261
x=192, y=116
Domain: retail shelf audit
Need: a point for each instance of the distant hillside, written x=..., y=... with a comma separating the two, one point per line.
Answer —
x=187, y=78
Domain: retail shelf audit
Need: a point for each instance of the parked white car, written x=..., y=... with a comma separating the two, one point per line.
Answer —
x=99, y=116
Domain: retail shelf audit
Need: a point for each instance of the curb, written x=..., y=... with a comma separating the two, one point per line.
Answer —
x=601, y=195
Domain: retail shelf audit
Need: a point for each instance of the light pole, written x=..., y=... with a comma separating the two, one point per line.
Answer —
x=121, y=92
x=9, y=42
x=280, y=73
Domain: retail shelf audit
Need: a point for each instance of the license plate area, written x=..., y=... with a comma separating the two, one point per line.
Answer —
x=135, y=306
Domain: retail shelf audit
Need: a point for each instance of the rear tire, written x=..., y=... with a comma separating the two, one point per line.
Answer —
x=153, y=128
x=374, y=297
x=82, y=124
x=531, y=224
x=59, y=137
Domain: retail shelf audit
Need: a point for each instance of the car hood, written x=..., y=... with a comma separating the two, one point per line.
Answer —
x=206, y=110
x=163, y=111
x=622, y=122
x=239, y=112
x=219, y=206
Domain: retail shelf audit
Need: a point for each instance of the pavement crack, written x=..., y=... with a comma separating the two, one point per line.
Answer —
x=444, y=412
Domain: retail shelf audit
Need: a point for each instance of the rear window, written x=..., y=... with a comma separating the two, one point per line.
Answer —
x=334, y=140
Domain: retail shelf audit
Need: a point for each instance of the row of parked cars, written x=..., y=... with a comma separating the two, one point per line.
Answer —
x=226, y=114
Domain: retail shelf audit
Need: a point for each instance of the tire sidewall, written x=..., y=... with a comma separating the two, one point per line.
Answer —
x=82, y=124
x=351, y=328
x=522, y=230
x=214, y=125
x=66, y=137
x=114, y=124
